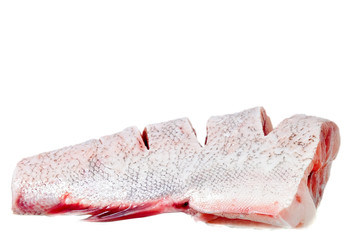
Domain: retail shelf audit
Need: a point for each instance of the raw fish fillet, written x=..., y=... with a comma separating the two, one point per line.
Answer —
x=246, y=170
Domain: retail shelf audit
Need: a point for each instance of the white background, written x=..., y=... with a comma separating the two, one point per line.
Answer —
x=75, y=70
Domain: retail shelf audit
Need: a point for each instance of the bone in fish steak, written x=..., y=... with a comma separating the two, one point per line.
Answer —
x=246, y=170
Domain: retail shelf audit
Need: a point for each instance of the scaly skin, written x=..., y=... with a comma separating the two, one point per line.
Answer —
x=246, y=170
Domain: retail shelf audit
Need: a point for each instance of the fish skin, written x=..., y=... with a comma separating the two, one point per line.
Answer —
x=246, y=170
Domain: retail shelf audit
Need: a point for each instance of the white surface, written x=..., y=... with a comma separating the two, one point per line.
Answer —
x=75, y=70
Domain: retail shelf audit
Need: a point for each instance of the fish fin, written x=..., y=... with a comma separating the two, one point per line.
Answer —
x=136, y=211
x=109, y=213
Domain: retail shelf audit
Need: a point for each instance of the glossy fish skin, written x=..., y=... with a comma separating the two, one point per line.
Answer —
x=246, y=170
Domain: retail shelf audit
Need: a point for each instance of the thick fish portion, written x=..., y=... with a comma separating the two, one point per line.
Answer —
x=246, y=170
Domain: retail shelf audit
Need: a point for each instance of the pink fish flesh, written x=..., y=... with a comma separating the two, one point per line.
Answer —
x=245, y=171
